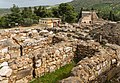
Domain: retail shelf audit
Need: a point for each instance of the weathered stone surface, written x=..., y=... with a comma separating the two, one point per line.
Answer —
x=23, y=73
x=38, y=63
x=98, y=68
x=24, y=80
x=4, y=64
x=4, y=81
x=1, y=78
x=30, y=52
x=5, y=71
x=72, y=80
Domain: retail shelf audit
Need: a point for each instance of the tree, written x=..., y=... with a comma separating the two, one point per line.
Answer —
x=26, y=17
x=15, y=17
x=27, y=22
x=26, y=13
x=4, y=22
x=29, y=17
x=42, y=12
x=67, y=12
x=35, y=10
x=111, y=16
x=55, y=12
x=80, y=14
x=15, y=9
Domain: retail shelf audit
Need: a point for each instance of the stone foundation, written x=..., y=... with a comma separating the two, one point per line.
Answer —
x=97, y=69
x=26, y=54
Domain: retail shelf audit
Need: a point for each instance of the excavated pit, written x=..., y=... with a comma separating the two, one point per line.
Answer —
x=84, y=51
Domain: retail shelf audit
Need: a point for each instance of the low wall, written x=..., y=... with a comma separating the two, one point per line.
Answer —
x=97, y=69
x=30, y=53
x=26, y=54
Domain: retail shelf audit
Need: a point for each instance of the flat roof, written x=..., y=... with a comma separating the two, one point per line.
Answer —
x=86, y=11
x=49, y=18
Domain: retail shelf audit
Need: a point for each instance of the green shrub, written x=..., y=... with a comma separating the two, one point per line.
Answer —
x=54, y=77
x=27, y=22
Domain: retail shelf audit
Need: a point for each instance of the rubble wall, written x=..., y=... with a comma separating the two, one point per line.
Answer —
x=97, y=69
x=26, y=54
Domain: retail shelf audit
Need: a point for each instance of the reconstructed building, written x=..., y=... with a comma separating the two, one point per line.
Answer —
x=50, y=22
x=88, y=17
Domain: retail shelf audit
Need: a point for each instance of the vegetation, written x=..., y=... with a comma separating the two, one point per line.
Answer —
x=87, y=4
x=67, y=13
x=29, y=16
x=4, y=11
x=54, y=77
x=103, y=7
x=107, y=10
x=18, y=17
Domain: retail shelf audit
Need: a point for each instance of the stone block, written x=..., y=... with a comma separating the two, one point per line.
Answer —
x=5, y=71
x=72, y=80
x=4, y=64
x=24, y=80
x=4, y=81
x=23, y=73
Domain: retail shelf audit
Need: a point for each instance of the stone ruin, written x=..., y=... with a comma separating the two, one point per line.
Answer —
x=103, y=66
x=30, y=53
x=108, y=33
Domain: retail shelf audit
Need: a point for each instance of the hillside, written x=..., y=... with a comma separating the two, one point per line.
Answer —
x=4, y=11
x=87, y=4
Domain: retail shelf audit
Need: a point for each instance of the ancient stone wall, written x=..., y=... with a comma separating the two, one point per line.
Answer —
x=104, y=65
x=26, y=54
x=29, y=53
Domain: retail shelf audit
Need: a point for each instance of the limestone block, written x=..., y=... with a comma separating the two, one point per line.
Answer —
x=52, y=68
x=118, y=53
x=58, y=61
x=14, y=66
x=23, y=73
x=24, y=80
x=26, y=66
x=53, y=63
x=41, y=70
x=83, y=74
x=114, y=61
x=64, y=56
x=7, y=56
x=100, y=72
x=98, y=67
x=72, y=80
x=118, y=64
x=4, y=81
x=56, y=58
x=6, y=42
x=4, y=50
x=5, y=71
x=67, y=49
x=104, y=64
x=4, y=64
x=2, y=78
x=38, y=63
x=92, y=77
x=111, y=73
x=20, y=64
x=15, y=54
x=102, y=79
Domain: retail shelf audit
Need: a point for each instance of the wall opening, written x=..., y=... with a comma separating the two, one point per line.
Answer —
x=33, y=73
x=21, y=52
x=83, y=51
